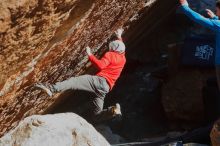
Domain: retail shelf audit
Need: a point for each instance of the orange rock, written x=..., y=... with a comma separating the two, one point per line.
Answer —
x=215, y=134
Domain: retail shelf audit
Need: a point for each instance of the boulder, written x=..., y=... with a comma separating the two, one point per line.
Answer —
x=109, y=135
x=66, y=129
x=215, y=134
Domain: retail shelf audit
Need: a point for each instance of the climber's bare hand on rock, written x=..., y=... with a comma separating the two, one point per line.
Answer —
x=88, y=51
x=183, y=2
x=119, y=32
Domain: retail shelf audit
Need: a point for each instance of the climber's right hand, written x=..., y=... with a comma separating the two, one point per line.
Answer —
x=210, y=13
x=183, y=2
x=88, y=51
x=119, y=32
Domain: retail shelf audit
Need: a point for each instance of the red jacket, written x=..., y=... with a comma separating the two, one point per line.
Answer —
x=110, y=66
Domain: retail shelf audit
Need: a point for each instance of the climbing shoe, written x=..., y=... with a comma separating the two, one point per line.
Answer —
x=45, y=88
x=117, y=110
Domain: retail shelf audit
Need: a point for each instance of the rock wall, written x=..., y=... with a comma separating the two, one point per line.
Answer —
x=54, y=130
x=214, y=135
x=182, y=98
x=45, y=40
x=26, y=28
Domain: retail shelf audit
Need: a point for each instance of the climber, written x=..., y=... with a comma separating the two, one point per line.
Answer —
x=212, y=23
x=110, y=67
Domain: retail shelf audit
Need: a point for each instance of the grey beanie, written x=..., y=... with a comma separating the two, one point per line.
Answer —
x=117, y=46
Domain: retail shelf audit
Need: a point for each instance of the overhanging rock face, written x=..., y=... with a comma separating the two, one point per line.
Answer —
x=45, y=40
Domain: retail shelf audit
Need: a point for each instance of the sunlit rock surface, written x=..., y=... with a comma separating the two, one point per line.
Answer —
x=54, y=130
x=45, y=40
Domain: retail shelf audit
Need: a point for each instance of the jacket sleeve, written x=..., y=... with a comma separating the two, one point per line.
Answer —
x=215, y=18
x=102, y=63
x=120, y=39
x=213, y=24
